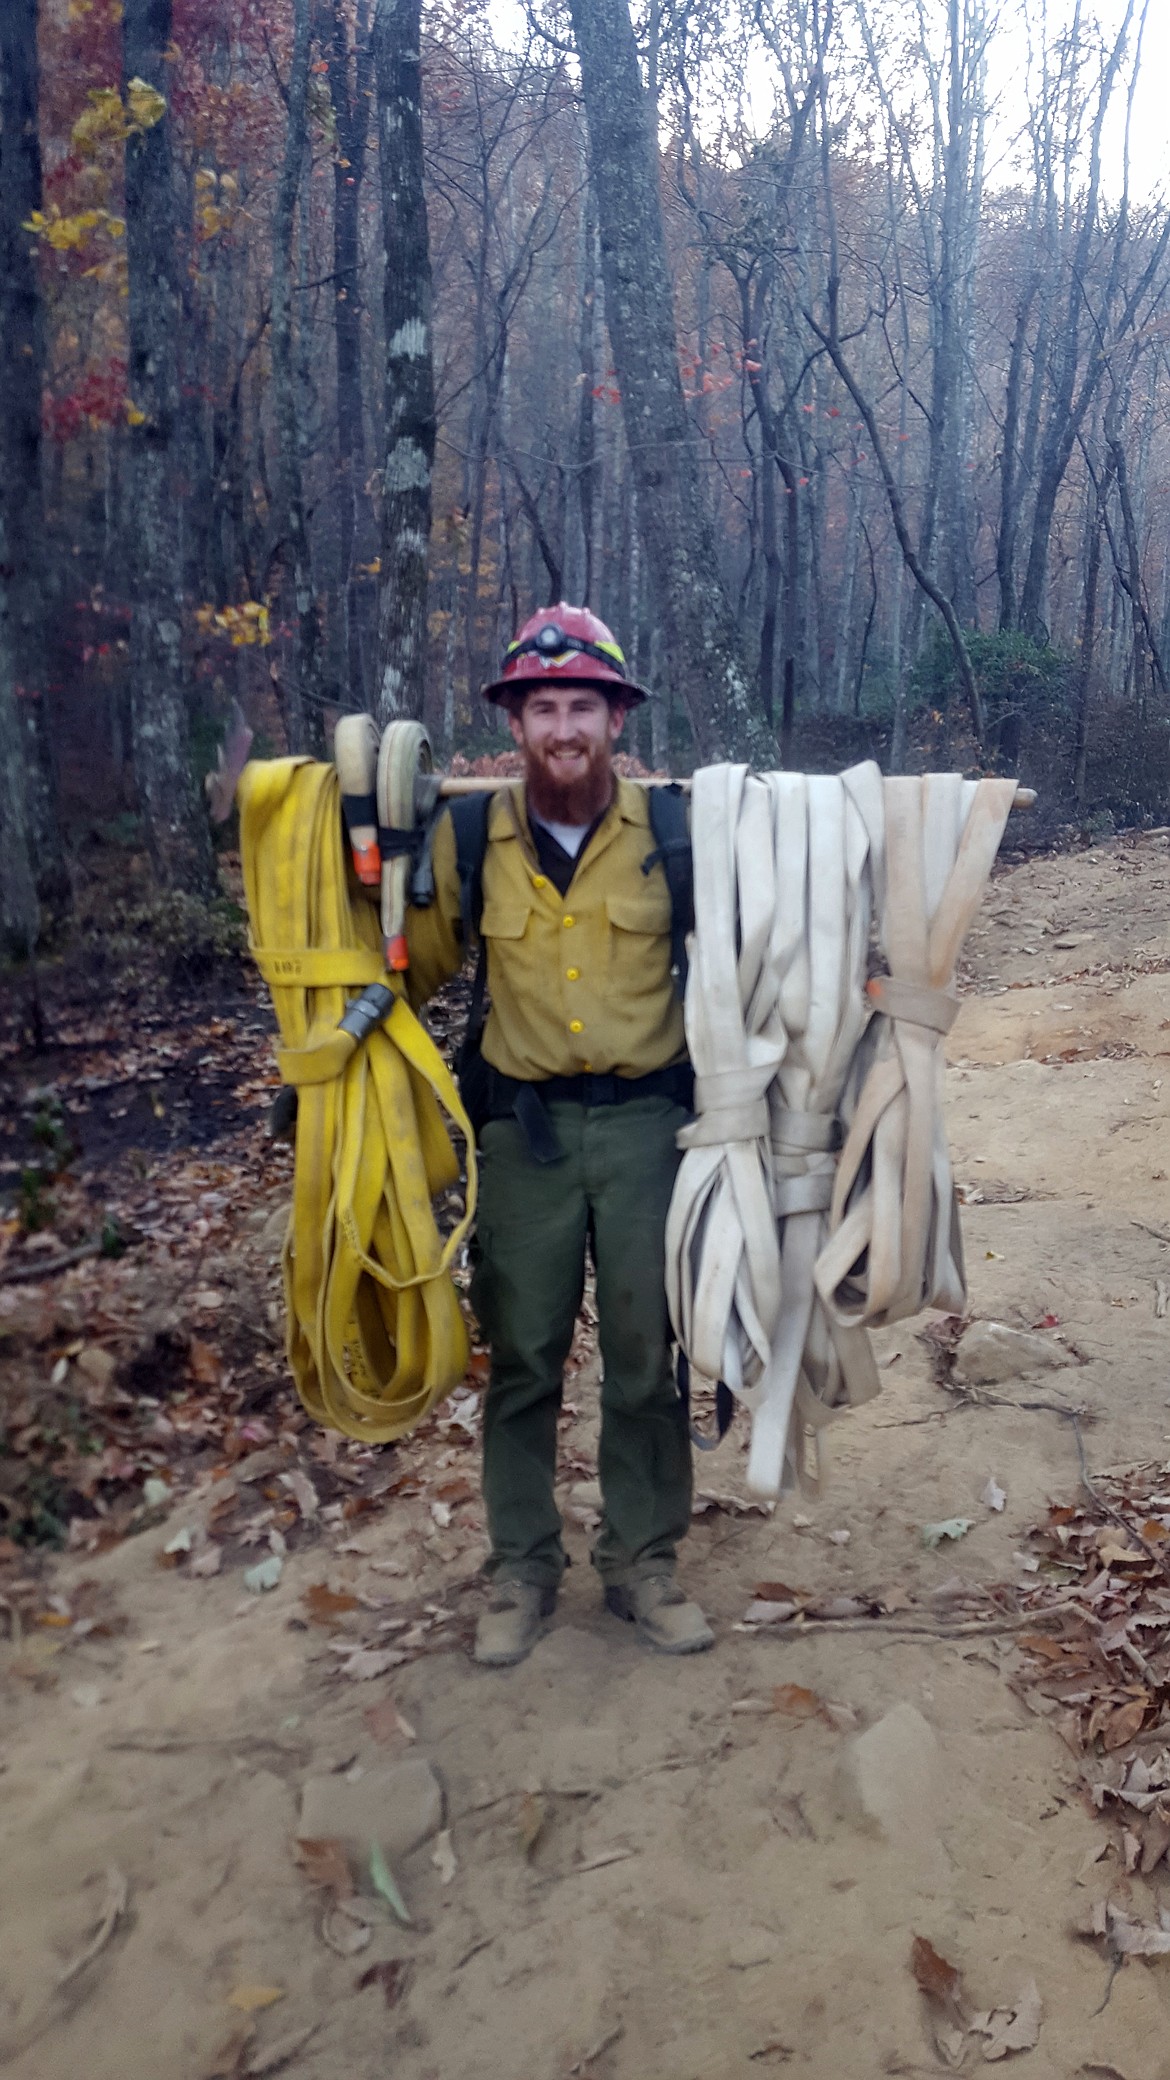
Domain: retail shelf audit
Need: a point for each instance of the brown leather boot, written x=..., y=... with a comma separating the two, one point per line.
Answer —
x=510, y=1627
x=662, y=1614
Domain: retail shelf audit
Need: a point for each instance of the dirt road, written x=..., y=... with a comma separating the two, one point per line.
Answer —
x=649, y=1883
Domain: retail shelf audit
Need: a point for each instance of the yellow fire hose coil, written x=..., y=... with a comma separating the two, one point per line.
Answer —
x=375, y=1331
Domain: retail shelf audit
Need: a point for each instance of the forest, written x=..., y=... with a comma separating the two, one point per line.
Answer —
x=821, y=346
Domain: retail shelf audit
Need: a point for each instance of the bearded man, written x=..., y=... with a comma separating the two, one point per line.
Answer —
x=581, y=1087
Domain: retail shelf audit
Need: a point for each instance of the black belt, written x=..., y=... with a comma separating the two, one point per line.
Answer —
x=509, y=1097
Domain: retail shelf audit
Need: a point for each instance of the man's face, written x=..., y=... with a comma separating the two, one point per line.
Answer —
x=567, y=734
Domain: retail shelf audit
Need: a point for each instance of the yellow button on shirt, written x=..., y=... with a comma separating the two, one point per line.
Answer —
x=624, y=992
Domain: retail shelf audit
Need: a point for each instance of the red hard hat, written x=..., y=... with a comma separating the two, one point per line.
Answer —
x=568, y=644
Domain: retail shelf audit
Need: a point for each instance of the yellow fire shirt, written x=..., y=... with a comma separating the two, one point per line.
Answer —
x=577, y=982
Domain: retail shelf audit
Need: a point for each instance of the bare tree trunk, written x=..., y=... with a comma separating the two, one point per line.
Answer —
x=19, y=909
x=579, y=512
x=22, y=372
x=851, y=558
x=410, y=383
x=598, y=486
x=898, y=727
x=791, y=627
x=1070, y=400
x=770, y=549
x=1148, y=662
x=1094, y=528
x=176, y=826
x=634, y=574
x=304, y=720
x=479, y=449
x=660, y=710
x=830, y=337
x=351, y=108
x=448, y=723
x=961, y=160
x=755, y=288
x=1010, y=489
x=702, y=645
x=945, y=214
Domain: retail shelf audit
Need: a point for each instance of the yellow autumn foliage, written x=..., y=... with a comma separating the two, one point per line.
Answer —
x=101, y=123
x=69, y=234
x=145, y=105
x=215, y=201
x=243, y=625
x=108, y=120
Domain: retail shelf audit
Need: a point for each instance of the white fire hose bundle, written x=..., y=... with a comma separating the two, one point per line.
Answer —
x=815, y=1198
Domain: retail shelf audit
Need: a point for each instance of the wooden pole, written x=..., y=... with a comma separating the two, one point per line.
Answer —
x=492, y=783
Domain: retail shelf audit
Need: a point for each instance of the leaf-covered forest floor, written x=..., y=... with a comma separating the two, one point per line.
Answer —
x=221, y=1630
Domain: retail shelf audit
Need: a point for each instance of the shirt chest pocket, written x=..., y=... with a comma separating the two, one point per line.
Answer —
x=639, y=938
x=505, y=931
x=504, y=918
x=647, y=913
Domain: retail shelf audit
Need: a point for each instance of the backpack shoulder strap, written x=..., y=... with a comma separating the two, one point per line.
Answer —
x=469, y=820
x=672, y=851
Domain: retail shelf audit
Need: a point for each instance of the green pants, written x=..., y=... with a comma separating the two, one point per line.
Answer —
x=611, y=1192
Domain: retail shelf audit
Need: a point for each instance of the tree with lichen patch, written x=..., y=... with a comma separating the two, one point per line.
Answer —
x=410, y=383
x=176, y=826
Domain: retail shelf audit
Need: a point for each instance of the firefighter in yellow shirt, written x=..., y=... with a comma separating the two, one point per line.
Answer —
x=577, y=1090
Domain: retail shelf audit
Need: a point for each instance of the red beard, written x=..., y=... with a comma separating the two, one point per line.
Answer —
x=581, y=800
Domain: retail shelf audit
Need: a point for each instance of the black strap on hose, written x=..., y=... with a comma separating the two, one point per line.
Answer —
x=359, y=809
x=394, y=842
x=724, y=1406
x=672, y=852
x=398, y=841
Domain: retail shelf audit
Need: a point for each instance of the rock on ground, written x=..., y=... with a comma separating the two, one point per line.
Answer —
x=398, y=1807
x=991, y=1351
x=892, y=1781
